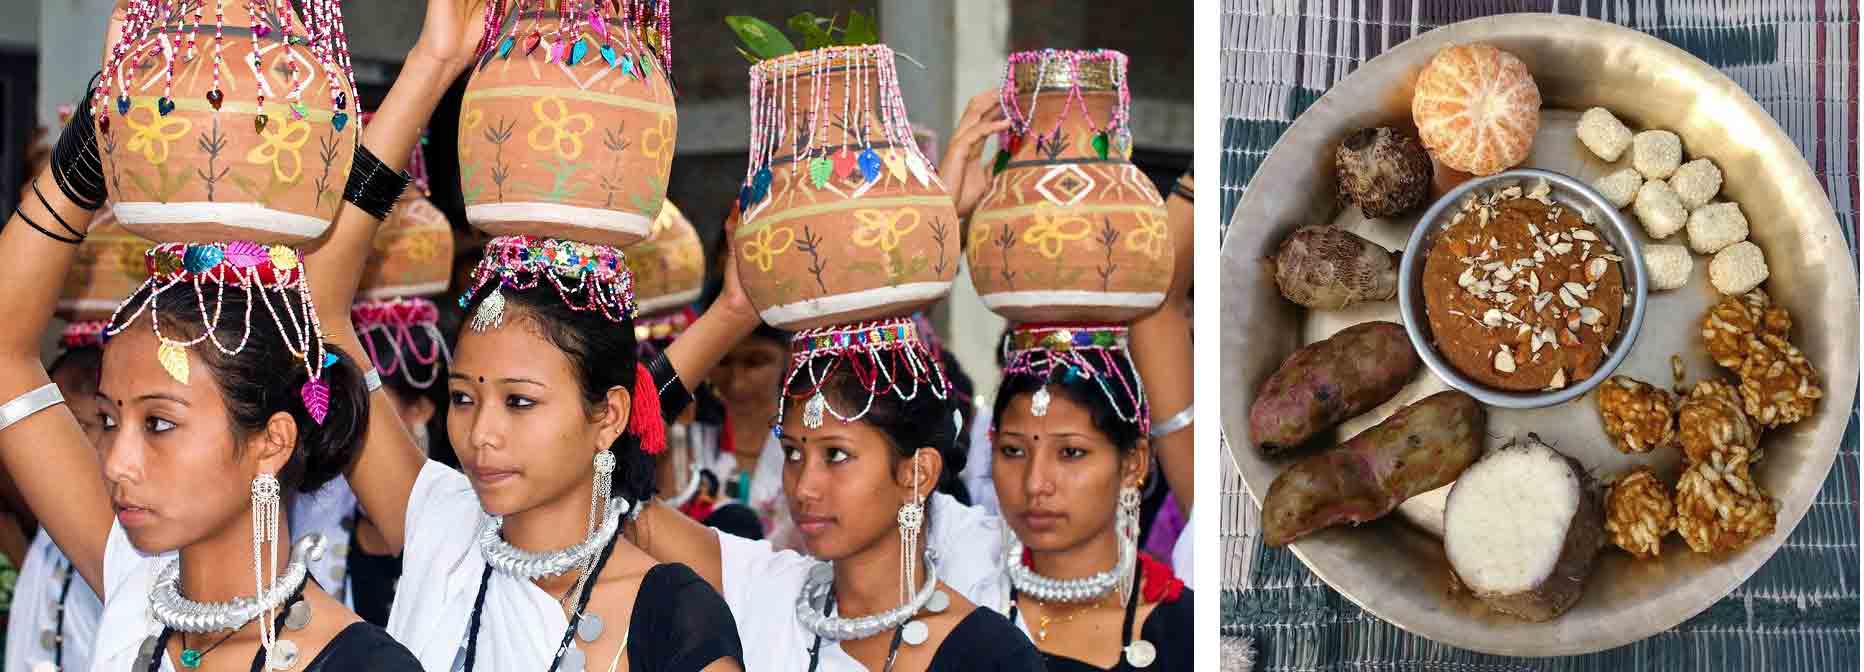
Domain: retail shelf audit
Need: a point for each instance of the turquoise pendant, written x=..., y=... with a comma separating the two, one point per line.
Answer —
x=190, y=658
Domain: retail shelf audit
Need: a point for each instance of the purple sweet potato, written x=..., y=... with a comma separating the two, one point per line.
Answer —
x=1327, y=382
x=1422, y=447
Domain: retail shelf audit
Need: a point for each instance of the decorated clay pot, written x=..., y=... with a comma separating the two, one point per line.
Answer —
x=413, y=252
x=257, y=149
x=669, y=267
x=1071, y=230
x=109, y=268
x=842, y=217
x=566, y=131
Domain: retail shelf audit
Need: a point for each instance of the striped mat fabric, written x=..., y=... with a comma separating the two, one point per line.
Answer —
x=1797, y=58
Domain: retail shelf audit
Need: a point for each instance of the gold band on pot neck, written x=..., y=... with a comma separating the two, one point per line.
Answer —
x=1097, y=73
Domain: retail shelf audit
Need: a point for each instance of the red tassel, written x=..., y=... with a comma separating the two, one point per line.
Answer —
x=645, y=419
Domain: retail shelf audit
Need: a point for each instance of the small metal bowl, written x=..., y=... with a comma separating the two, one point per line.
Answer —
x=1574, y=194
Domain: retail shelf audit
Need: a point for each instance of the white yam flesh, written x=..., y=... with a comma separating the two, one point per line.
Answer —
x=1521, y=529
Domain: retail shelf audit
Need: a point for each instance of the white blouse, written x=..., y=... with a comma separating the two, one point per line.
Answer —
x=324, y=512
x=761, y=584
x=129, y=576
x=521, y=625
x=33, y=613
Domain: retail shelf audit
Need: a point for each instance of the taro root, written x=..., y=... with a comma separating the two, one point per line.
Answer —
x=1383, y=171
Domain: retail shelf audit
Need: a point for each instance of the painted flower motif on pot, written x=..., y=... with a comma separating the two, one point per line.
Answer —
x=151, y=138
x=1053, y=230
x=658, y=141
x=1148, y=236
x=763, y=249
x=469, y=122
x=280, y=145
x=883, y=227
x=564, y=130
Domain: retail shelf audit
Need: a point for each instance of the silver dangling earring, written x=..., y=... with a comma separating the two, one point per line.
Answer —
x=912, y=518
x=279, y=654
x=589, y=628
x=1140, y=653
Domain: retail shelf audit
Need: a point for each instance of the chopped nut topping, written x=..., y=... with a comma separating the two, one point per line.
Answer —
x=1638, y=513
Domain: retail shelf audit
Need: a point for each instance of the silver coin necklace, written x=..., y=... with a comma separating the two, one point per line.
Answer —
x=583, y=626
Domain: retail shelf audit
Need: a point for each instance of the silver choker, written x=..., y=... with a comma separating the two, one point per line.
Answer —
x=1047, y=589
x=822, y=581
x=181, y=614
x=529, y=566
x=688, y=491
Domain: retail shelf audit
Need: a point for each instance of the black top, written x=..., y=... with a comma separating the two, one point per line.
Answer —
x=679, y=623
x=1169, y=629
x=363, y=646
x=372, y=582
x=985, y=641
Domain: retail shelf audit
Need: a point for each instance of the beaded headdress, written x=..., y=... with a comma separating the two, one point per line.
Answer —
x=654, y=334
x=1096, y=352
x=83, y=334
x=271, y=275
x=788, y=123
x=644, y=41
x=393, y=323
x=1074, y=71
x=587, y=277
x=887, y=356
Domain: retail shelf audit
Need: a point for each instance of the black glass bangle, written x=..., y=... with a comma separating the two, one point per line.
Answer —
x=373, y=186
x=48, y=208
x=75, y=165
x=35, y=225
x=674, y=397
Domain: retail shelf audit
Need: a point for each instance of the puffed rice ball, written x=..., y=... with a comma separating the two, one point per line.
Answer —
x=1658, y=210
x=1738, y=268
x=1669, y=266
x=1696, y=182
x=1713, y=227
x=1621, y=187
x=1604, y=134
x=1656, y=154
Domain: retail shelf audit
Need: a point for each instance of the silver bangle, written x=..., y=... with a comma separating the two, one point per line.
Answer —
x=25, y=405
x=372, y=380
x=1176, y=422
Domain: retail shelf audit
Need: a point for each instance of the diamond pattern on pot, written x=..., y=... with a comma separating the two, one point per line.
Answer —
x=1065, y=185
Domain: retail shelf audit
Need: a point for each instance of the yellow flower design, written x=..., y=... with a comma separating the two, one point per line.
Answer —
x=422, y=248
x=279, y=145
x=882, y=227
x=1052, y=230
x=1149, y=238
x=658, y=139
x=564, y=131
x=152, y=138
x=469, y=122
x=763, y=249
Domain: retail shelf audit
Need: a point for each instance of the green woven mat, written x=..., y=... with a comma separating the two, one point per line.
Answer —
x=1796, y=58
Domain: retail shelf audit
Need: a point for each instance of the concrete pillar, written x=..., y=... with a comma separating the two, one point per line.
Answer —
x=961, y=45
x=71, y=47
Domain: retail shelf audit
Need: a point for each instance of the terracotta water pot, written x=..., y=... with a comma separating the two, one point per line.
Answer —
x=859, y=227
x=572, y=141
x=1071, y=230
x=108, y=268
x=668, y=267
x=189, y=162
x=413, y=252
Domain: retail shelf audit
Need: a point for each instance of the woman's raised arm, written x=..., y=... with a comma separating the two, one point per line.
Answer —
x=385, y=471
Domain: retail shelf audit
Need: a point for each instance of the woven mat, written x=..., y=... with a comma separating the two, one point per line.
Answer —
x=1800, y=610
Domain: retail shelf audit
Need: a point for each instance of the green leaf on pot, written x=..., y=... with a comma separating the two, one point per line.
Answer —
x=815, y=30
x=861, y=30
x=759, y=37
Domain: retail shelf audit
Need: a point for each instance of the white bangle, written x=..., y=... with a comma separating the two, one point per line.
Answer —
x=25, y=405
x=372, y=380
x=1176, y=422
